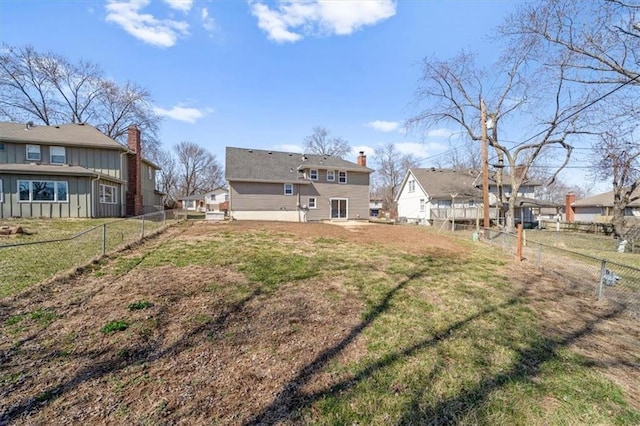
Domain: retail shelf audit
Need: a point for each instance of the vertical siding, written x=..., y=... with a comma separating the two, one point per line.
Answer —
x=78, y=204
x=151, y=200
x=104, y=209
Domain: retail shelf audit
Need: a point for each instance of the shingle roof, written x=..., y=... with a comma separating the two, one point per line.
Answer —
x=605, y=199
x=49, y=169
x=64, y=135
x=274, y=166
x=442, y=183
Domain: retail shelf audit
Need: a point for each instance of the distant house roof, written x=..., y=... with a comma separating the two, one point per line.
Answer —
x=244, y=164
x=64, y=134
x=443, y=183
x=217, y=191
x=605, y=200
x=194, y=197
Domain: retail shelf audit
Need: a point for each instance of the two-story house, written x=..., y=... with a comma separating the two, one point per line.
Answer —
x=73, y=170
x=429, y=195
x=284, y=186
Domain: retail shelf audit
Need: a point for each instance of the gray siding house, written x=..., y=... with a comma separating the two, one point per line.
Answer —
x=73, y=170
x=284, y=186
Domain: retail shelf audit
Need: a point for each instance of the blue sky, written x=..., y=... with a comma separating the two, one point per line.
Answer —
x=260, y=73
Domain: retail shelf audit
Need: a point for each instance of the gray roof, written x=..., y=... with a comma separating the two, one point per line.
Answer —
x=605, y=199
x=51, y=169
x=273, y=166
x=442, y=183
x=63, y=135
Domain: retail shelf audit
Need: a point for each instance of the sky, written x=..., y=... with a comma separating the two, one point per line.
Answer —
x=262, y=74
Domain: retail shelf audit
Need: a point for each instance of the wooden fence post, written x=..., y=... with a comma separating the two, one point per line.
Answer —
x=519, y=243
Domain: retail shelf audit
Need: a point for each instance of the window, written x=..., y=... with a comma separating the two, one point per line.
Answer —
x=33, y=152
x=151, y=174
x=288, y=189
x=472, y=203
x=312, y=203
x=421, y=204
x=342, y=177
x=1, y=147
x=108, y=194
x=331, y=175
x=41, y=190
x=412, y=185
x=313, y=174
x=57, y=155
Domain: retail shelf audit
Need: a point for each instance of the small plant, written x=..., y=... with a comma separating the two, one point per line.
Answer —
x=136, y=306
x=114, y=326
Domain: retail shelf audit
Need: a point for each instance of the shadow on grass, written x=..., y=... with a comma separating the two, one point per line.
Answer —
x=148, y=353
x=291, y=400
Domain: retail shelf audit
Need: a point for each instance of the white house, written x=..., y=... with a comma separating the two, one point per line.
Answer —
x=214, y=200
x=431, y=195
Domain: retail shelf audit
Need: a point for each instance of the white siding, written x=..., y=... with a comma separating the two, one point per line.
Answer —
x=409, y=203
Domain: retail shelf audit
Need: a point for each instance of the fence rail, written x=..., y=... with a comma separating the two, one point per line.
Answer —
x=26, y=263
x=601, y=278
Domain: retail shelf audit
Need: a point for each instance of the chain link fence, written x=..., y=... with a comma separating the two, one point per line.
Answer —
x=604, y=279
x=26, y=263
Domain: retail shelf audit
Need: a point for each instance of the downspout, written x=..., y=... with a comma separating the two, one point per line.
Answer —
x=298, y=205
x=94, y=192
x=123, y=188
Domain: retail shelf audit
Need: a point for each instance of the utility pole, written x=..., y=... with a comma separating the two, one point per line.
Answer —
x=485, y=165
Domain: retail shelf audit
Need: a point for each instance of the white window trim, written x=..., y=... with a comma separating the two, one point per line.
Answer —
x=102, y=194
x=39, y=153
x=331, y=173
x=315, y=203
x=288, y=185
x=1, y=192
x=150, y=171
x=412, y=185
x=64, y=154
x=55, y=191
x=422, y=203
x=345, y=177
x=311, y=174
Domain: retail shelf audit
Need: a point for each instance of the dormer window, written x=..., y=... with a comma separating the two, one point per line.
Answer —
x=313, y=174
x=57, y=155
x=33, y=152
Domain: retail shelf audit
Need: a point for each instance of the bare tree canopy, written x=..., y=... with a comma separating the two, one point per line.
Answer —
x=598, y=44
x=391, y=166
x=50, y=89
x=321, y=142
x=197, y=170
x=515, y=91
x=598, y=41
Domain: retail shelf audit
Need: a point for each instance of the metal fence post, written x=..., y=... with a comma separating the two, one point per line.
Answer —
x=142, y=236
x=603, y=269
x=164, y=218
x=104, y=239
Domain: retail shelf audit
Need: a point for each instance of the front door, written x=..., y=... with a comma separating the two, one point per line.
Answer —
x=339, y=208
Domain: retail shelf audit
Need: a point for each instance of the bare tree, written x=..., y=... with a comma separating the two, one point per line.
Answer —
x=321, y=142
x=617, y=156
x=48, y=88
x=598, y=42
x=391, y=166
x=167, y=176
x=197, y=169
x=453, y=91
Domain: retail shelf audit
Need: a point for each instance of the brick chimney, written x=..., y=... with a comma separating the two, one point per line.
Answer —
x=134, y=187
x=569, y=212
x=362, y=159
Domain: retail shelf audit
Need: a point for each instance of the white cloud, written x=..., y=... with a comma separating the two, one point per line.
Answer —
x=440, y=133
x=289, y=148
x=420, y=150
x=208, y=23
x=180, y=113
x=383, y=126
x=145, y=27
x=291, y=20
x=181, y=5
